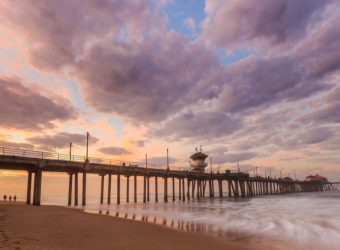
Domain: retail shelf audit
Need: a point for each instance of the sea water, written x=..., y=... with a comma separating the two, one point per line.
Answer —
x=308, y=218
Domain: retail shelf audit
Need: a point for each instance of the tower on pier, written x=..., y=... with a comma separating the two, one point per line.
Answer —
x=197, y=162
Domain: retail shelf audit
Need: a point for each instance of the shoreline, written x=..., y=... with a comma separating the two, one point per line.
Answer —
x=57, y=227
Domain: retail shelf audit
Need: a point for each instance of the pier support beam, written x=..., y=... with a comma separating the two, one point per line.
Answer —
x=102, y=189
x=83, y=202
x=220, y=191
x=127, y=189
x=109, y=189
x=243, y=189
x=156, y=189
x=179, y=188
x=183, y=189
x=229, y=188
x=173, y=188
x=211, y=186
x=144, y=188
x=118, y=189
x=165, y=189
x=204, y=187
x=148, y=189
x=29, y=187
x=135, y=188
x=76, y=188
x=37, y=188
x=250, y=188
x=236, y=188
x=188, y=191
x=69, y=203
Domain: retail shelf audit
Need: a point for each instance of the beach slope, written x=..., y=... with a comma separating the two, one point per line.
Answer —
x=51, y=227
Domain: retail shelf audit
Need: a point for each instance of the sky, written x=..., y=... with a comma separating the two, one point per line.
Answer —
x=254, y=82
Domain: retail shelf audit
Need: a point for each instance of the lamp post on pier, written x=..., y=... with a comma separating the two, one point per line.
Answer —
x=167, y=159
x=87, y=146
x=70, y=151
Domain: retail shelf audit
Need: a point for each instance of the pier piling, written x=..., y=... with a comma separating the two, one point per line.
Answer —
x=29, y=187
x=127, y=189
x=144, y=188
x=70, y=189
x=118, y=189
x=165, y=189
x=173, y=188
x=148, y=188
x=135, y=189
x=109, y=189
x=156, y=189
x=183, y=189
x=76, y=188
x=102, y=189
x=83, y=202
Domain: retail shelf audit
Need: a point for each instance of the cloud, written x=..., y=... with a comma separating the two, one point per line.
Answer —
x=146, y=77
x=21, y=145
x=61, y=30
x=233, y=157
x=114, y=151
x=60, y=140
x=119, y=52
x=254, y=82
x=138, y=143
x=316, y=135
x=221, y=155
x=329, y=113
x=208, y=125
x=269, y=24
x=161, y=160
x=26, y=107
x=319, y=52
x=190, y=23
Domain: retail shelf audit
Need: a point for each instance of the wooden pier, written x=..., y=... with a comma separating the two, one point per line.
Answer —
x=191, y=185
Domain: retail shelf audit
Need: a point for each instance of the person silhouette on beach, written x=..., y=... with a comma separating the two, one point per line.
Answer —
x=5, y=197
x=15, y=198
x=10, y=198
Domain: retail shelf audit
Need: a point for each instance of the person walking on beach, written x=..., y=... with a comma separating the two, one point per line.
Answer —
x=15, y=198
x=5, y=197
x=10, y=198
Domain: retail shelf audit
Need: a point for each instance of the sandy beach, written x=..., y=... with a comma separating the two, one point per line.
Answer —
x=53, y=227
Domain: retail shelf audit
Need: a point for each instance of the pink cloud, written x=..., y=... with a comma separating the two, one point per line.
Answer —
x=25, y=107
x=261, y=24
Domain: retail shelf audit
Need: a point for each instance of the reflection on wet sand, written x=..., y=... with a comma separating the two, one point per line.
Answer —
x=178, y=225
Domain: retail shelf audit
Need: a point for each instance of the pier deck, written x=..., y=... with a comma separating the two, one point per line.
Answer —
x=191, y=185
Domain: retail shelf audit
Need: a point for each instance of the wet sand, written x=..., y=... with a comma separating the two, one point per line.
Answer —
x=52, y=227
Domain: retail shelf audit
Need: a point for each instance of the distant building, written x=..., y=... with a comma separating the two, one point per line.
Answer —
x=287, y=179
x=316, y=177
x=197, y=162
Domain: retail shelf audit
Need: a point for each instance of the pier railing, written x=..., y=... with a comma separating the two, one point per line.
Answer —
x=75, y=158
